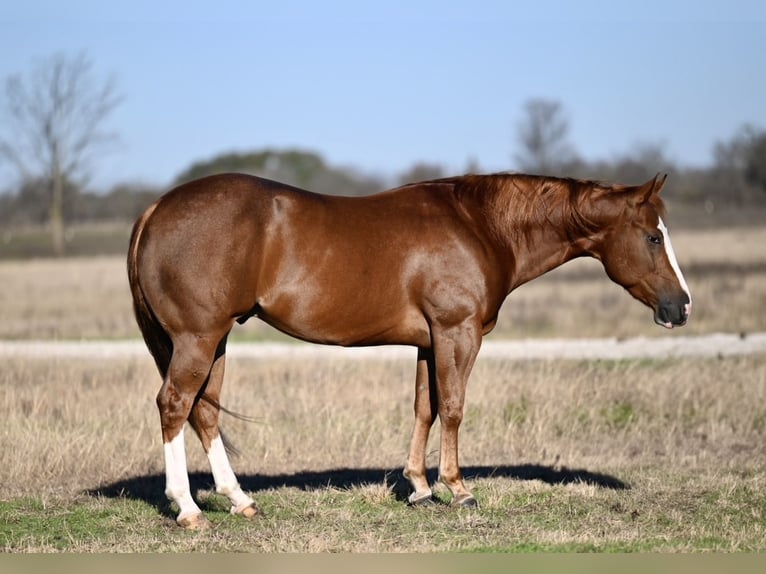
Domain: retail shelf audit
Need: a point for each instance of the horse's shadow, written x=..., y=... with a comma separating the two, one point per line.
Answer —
x=150, y=488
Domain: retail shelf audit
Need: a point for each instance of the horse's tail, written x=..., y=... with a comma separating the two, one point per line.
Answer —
x=156, y=338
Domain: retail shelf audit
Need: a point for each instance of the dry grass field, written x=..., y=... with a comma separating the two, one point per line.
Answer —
x=632, y=455
x=562, y=455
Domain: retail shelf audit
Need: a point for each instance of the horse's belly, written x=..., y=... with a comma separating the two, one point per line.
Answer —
x=351, y=327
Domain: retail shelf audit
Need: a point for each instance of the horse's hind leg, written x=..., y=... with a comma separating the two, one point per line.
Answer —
x=204, y=420
x=187, y=373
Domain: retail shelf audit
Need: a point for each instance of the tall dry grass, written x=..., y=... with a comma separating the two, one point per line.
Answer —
x=726, y=270
x=73, y=425
x=547, y=447
x=65, y=299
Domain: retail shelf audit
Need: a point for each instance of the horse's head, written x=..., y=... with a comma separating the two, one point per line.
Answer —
x=636, y=252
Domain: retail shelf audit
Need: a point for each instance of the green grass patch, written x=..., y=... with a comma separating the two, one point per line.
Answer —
x=689, y=514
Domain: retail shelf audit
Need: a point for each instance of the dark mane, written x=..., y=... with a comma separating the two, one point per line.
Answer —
x=522, y=202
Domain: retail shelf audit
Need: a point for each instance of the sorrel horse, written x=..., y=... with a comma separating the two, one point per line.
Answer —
x=428, y=265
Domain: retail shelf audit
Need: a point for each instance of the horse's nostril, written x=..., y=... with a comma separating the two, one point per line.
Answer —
x=683, y=313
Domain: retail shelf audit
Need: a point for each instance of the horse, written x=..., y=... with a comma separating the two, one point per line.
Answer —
x=427, y=265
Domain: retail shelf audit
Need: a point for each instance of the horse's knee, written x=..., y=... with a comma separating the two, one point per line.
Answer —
x=187, y=374
x=204, y=421
x=175, y=402
x=174, y=406
x=204, y=415
x=451, y=414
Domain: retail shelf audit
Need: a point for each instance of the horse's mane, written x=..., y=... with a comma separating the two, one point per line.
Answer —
x=524, y=201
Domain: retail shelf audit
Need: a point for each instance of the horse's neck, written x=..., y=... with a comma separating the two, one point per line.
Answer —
x=538, y=252
x=543, y=237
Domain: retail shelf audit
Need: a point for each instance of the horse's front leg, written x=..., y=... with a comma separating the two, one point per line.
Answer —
x=455, y=351
x=425, y=414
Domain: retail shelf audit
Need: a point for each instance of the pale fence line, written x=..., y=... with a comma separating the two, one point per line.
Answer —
x=670, y=346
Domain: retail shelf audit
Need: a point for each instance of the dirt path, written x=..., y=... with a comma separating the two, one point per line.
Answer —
x=656, y=347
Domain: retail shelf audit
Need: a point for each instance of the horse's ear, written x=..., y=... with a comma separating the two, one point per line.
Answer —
x=644, y=191
x=659, y=182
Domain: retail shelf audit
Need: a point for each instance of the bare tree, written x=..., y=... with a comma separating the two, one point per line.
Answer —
x=730, y=171
x=751, y=142
x=53, y=127
x=543, y=138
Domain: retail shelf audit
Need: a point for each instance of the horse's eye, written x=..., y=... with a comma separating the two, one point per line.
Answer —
x=654, y=239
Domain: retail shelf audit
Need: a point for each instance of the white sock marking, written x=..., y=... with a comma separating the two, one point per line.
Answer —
x=177, y=477
x=674, y=263
x=225, y=480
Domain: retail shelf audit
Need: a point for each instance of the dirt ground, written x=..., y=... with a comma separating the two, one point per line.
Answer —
x=716, y=344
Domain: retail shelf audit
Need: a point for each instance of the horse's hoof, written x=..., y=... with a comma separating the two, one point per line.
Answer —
x=466, y=501
x=249, y=511
x=194, y=522
x=422, y=499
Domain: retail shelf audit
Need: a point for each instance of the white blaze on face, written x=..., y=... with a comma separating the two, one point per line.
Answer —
x=674, y=263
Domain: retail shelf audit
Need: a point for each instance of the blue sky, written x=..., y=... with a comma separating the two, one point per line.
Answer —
x=380, y=86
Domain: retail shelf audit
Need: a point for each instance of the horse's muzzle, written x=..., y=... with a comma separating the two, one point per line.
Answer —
x=671, y=314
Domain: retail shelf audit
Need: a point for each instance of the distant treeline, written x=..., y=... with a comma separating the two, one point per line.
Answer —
x=735, y=182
